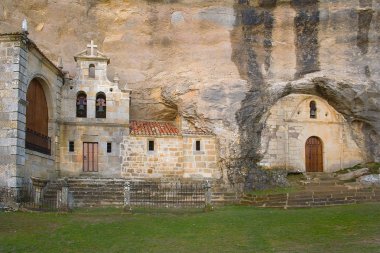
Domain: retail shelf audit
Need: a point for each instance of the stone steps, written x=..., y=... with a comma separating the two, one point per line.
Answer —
x=89, y=192
x=320, y=175
x=96, y=192
x=50, y=192
x=308, y=198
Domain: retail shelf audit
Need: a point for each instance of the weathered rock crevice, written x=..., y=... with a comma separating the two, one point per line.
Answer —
x=347, y=97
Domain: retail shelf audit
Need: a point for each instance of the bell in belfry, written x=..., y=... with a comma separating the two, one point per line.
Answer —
x=100, y=104
x=81, y=102
x=312, y=114
x=313, y=110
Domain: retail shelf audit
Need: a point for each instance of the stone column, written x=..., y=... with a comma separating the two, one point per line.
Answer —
x=208, y=196
x=64, y=205
x=37, y=195
x=127, y=197
x=38, y=186
x=13, y=55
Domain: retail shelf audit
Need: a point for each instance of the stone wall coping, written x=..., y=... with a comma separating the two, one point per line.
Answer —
x=18, y=36
x=99, y=57
x=210, y=135
x=93, y=123
x=156, y=136
x=40, y=182
x=91, y=58
x=173, y=136
x=125, y=89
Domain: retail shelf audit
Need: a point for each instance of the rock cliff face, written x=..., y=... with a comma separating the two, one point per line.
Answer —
x=223, y=63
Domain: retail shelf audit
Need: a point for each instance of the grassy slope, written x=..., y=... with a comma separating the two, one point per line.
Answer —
x=373, y=168
x=232, y=229
x=294, y=186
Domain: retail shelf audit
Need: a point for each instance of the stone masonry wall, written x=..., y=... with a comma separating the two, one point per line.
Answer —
x=165, y=161
x=72, y=162
x=21, y=62
x=12, y=73
x=37, y=164
x=173, y=157
x=203, y=163
x=91, y=129
x=117, y=100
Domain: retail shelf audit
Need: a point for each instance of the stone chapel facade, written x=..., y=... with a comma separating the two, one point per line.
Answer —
x=304, y=133
x=52, y=126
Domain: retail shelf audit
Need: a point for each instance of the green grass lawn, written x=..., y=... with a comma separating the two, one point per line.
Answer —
x=354, y=228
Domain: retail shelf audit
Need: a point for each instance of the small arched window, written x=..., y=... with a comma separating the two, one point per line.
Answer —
x=91, y=71
x=313, y=110
x=81, y=105
x=100, y=105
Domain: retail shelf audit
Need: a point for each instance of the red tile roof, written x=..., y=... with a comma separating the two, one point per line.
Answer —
x=153, y=128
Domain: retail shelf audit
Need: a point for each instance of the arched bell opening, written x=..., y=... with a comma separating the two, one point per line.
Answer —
x=101, y=107
x=81, y=106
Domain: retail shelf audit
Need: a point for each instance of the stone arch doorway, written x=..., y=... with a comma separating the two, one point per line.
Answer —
x=37, y=119
x=314, y=154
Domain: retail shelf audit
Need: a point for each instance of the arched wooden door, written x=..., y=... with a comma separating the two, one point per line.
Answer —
x=37, y=119
x=314, y=155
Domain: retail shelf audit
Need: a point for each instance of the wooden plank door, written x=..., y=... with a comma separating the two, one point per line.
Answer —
x=37, y=109
x=90, y=156
x=314, y=155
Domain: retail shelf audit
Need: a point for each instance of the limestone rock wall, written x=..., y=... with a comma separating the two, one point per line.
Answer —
x=222, y=64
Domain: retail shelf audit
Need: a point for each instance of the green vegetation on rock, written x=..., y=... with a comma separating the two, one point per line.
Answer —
x=373, y=168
